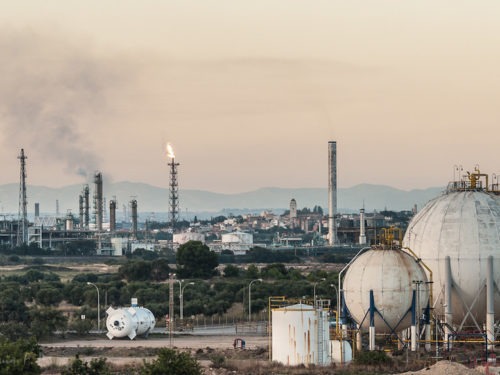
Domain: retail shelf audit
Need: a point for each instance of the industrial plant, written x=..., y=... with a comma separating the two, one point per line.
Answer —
x=432, y=289
x=424, y=288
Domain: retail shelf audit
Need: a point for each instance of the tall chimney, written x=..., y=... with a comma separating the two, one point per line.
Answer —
x=133, y=204
x=332, y=191
x=112, y=215
x=98, y=200
x=37, y=209
x=80, y=210
x=86, y=202
x=362, y=231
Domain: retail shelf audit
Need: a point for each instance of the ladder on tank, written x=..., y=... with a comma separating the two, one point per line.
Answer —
x=320, y=313
x=321, y=309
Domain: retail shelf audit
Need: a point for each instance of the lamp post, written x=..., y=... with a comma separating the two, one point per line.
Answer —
x=181, y=297
x=98, y=307
x=314, y=290
x=250, y=298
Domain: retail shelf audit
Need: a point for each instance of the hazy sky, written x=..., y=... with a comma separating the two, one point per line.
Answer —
x=249, y=92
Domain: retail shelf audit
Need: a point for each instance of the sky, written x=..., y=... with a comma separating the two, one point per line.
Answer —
x=249, y=92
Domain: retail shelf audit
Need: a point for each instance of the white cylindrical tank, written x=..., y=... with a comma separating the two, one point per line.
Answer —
x=341, y=351
x=145, y=319
x=300, y=336
x=237, y=238
x=464, y=226
x=129, y=322
x=182, y=238
x=392, y=275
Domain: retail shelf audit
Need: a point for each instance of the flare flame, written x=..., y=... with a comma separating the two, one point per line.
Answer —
x=170, y=151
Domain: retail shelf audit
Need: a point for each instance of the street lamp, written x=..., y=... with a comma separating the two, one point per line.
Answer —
x=314, y=290
x=98, y=307
x=250, y=298
x=181, y=297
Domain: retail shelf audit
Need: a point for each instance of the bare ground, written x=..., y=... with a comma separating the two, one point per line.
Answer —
x=218, y=357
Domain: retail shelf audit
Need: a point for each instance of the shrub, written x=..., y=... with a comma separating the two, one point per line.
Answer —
x=96, y=366
x=372, y=358
x=170, y=362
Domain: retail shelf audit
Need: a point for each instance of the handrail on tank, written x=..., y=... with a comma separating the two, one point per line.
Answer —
x=431, y=281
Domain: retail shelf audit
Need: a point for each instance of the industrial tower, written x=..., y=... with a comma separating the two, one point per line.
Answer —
x=174, y=194
x=98, y=201
x=22, y=233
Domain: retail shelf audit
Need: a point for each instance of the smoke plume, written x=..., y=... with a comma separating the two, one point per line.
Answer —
x=50, y=90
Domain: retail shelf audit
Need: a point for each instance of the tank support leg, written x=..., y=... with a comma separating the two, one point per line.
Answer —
x=371, y=345
x=413, y=323
x=448, y=312
x=490, y=305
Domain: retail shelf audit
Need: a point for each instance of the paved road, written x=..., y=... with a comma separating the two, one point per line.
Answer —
x=184, y=341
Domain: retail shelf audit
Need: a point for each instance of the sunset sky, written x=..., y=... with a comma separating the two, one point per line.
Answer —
x=249, y=92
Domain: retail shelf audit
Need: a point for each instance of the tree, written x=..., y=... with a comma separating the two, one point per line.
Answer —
x=45, y=321
x=97, y=366
x=170, y=362
x=196, y=260
x=231, y=271
x=19, y=357
x=138, y=270
x=12, y=307
x=160, y=269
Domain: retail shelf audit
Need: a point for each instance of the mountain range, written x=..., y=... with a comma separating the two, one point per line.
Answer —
x=154, y=199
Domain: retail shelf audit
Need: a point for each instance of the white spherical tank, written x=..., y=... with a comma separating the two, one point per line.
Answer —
x=392, y=275
x=464, y=226
x=129, y=322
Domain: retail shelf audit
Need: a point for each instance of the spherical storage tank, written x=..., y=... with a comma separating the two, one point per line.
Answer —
x=132, y=321
x=464, y=226
x=390, y=274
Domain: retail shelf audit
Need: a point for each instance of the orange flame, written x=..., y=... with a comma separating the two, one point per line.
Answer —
x=170, y=151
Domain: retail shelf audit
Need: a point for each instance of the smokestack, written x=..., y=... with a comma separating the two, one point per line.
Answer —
x=133, y=205
x=22, y=233
x=112, y=215
x=80, y=210
x=37, y=209
x=98, y=200
x=362, y=234
x=86, y=201
x=332, y=192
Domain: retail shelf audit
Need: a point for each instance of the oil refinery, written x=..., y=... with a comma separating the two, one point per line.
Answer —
x=426, y=289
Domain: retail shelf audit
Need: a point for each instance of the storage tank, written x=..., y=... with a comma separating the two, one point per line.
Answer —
x=392, y=275
x=237, y=238
x=300, y=335
x=129, y=322
x=182, y=238
x=463, y=225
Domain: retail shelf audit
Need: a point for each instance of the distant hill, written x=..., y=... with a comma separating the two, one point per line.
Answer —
x=155, y=199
